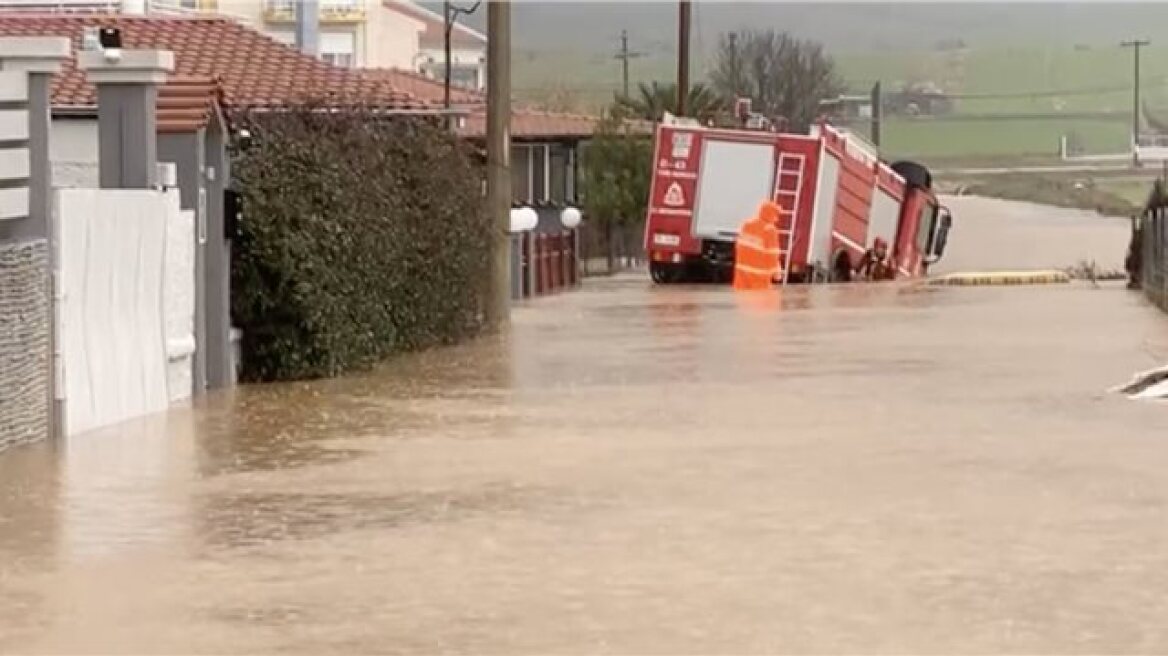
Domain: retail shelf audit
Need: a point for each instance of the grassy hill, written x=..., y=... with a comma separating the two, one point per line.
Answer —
x=1064, y=56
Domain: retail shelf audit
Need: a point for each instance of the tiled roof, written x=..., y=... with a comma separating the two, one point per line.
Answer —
x=254, y=70
x=432, y=36
x=529, y=124
x=186, y=103
x=427, y=89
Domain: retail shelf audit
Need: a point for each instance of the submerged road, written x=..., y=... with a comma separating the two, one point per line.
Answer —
x=859, y=469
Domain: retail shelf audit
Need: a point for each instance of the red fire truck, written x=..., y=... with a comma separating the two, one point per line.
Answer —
x=836, y=196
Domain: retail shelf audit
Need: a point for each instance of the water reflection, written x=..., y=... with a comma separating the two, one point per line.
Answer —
x=834, y=469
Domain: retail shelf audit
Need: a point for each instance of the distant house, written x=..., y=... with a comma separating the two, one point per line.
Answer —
x=352, y=33
x=468, y=47
x=544, y=145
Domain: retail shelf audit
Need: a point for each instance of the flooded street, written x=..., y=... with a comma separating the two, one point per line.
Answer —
x=860, y=469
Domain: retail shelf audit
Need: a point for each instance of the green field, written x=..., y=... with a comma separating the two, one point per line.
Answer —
x=1059, y=80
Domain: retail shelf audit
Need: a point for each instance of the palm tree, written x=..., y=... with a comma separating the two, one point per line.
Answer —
x=654, y=99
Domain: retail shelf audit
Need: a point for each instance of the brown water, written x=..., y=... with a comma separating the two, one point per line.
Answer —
x=640, y=470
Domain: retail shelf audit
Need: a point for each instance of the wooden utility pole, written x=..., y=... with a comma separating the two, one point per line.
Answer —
x=683, y=19
x=624, y=55
x=1135, y=45
x=498, y=306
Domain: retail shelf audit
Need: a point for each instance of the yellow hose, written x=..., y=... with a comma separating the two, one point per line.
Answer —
x=1002, y=278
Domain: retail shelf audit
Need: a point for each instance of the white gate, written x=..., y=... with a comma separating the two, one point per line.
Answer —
x=111, y=317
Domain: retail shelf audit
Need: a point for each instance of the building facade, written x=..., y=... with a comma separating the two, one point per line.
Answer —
x=353, y=33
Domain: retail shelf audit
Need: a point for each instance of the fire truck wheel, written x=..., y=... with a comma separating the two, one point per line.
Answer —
x=841, y=267
x=666, y=274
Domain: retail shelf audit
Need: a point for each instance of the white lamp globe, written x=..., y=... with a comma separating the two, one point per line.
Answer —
x=570, y=217
x=518, y=218
x=530, y=218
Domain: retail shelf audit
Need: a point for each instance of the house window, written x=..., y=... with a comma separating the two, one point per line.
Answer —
x=539, y=187
x=521, y=174
x=342, y=59
x=337, y=48
x=558, y=163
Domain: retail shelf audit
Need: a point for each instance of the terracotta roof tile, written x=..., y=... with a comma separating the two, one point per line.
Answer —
x=186, y=103
x=255, y=70
x=531, y=124
x=425, y=88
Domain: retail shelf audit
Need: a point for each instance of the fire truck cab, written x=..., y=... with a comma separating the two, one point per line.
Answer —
x=835, y=195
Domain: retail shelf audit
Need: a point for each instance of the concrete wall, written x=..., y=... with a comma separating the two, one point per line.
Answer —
x=73, y=153
x=24, y=342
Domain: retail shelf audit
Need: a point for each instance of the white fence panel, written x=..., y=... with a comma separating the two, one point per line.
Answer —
x=112, y=266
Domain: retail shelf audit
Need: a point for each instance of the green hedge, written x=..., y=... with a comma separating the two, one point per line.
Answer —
x=362, y=235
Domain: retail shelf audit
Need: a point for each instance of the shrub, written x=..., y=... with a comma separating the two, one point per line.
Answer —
x=362, y=235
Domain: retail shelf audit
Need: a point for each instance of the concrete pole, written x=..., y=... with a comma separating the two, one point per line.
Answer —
x=40, y=58
x=127, y=99
x=498, y=306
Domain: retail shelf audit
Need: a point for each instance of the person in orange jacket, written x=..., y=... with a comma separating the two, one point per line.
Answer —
x=756, y=251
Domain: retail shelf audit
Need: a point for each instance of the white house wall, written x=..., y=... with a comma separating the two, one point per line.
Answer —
x=390, y=39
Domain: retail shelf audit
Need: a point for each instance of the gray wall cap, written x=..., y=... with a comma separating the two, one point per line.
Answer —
x=129, y=67
x=35, y=54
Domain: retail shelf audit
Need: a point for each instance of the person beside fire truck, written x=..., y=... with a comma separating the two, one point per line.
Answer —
x=875, y=265
x=756, y=251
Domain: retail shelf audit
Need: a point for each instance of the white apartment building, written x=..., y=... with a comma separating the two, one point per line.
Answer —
x=353, y=33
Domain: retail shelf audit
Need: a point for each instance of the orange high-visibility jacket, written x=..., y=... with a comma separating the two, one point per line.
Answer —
x=756, y=252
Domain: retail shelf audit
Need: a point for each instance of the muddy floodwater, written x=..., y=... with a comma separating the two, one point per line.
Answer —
x=640, y=470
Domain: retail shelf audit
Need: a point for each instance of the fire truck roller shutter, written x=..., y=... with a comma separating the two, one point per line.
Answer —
x=735, y=177
x=884, y=218
x=916, y=175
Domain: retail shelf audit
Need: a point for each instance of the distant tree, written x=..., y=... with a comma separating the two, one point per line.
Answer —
x=654, y=99
x=614, y=177
x=781, y=74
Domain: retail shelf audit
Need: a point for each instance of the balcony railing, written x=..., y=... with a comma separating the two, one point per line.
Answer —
x=336, y=11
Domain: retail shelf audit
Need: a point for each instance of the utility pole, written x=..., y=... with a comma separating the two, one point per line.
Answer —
x=450, y=16
x=624, y=55
x=498, y=306
x=877, y=113
x=1135, y=45
x=683, y=19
